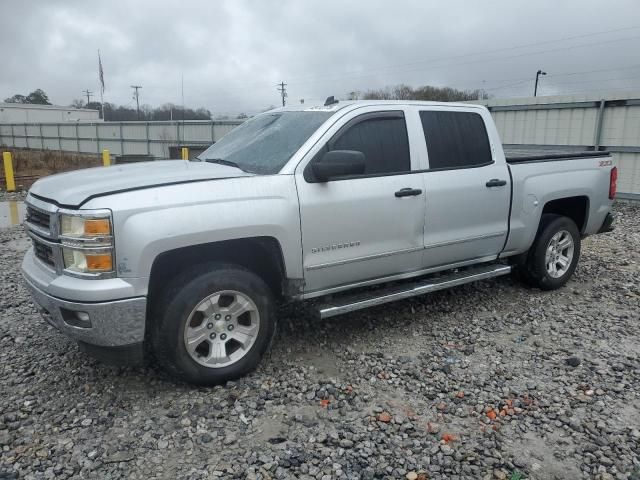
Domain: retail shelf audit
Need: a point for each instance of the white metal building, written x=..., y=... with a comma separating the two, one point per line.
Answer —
x=597, y=121
x=32, y=113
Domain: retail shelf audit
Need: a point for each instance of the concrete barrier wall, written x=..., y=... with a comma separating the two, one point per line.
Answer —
x=592, y=122
x=120, y=138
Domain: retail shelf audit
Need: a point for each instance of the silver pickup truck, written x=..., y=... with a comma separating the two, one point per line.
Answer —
x=346, y=205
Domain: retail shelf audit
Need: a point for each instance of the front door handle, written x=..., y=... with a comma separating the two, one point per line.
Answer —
x=408, y=192
x=495, y=182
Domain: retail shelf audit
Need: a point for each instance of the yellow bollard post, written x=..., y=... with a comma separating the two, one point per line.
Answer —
x=106, y=158
x=13, y=213
x=185, y=153
x=8, y=172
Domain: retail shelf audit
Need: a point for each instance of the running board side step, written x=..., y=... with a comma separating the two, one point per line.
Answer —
x=351, y=303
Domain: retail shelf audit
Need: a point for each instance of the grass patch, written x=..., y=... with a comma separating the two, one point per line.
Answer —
x=28, y=161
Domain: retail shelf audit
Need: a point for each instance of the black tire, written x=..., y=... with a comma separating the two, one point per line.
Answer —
x=534, y=269
x=179, y=299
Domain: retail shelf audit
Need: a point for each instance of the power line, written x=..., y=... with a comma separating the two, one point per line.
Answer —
x=383, y=69
x=363, y=73
x=89, y=94
x=503, y=49
x=510, y=83
x=613, y=79
x=507, y=83
x=136, y=96
x=519, y=81
x=469, y=62
x=394, y=67
x=283, y=91
x=593, y=71
x=522, y=80
x=608, y=90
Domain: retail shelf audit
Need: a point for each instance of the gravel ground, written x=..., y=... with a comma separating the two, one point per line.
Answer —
x=491, y=380
x=7, y=196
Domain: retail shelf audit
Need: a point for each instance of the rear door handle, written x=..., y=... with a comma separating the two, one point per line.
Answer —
x=408, y=192
x=495, y=182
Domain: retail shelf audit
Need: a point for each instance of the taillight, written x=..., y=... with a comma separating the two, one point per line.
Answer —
x=613, y=183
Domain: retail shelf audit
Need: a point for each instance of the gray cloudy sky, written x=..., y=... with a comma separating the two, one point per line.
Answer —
x=232, y=53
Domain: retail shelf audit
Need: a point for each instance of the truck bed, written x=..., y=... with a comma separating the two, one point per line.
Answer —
x=542, y=175
x=528, y=153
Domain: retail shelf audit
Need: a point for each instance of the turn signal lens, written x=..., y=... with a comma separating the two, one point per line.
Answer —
x=78, y=226
x=99, y=263
x=76, y=260
x=95, y=227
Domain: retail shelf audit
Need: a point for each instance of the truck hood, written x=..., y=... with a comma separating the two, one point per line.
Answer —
x=72, y=189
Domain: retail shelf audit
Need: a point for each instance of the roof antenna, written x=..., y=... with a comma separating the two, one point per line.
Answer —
x=330, y=101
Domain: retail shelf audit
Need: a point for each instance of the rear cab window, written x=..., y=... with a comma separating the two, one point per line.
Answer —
x=455, y=139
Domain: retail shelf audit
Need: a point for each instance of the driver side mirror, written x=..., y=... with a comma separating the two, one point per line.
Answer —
x=338, y=163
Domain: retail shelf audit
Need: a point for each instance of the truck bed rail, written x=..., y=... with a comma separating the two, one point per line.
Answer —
x=513, y=157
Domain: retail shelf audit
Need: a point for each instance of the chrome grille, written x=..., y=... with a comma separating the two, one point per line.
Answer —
x=38, y=218
x=43, y=252
x=41, y=225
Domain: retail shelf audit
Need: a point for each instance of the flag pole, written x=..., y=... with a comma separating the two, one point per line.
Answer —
x=102, y=105
x=101, y=78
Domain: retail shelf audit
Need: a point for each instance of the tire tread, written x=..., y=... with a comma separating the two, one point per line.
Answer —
x=176, y=291
x=533, y=271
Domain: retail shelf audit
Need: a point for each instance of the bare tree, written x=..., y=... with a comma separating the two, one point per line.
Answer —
x=426, y=92
x=402, y=92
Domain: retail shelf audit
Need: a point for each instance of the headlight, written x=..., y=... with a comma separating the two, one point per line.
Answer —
x=79, y=227
x=87, y=242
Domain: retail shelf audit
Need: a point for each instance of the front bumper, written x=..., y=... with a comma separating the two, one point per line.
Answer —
x=113, y=323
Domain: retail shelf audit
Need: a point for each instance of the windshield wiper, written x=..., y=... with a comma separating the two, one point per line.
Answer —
x=228, y=163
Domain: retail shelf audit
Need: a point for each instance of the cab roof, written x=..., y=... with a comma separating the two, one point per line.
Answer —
x=342, y=104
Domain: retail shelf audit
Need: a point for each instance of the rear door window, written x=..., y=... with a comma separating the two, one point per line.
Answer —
x=455, y=140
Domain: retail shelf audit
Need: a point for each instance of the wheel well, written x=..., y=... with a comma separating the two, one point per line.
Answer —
x=261, y=255
x=575, y=208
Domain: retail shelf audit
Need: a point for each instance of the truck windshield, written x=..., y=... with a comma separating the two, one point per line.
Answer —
x=265, y=143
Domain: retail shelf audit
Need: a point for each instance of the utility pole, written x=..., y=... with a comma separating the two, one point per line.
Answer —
x=137, y=97
x=283, y=91
x=182, y=96
x=482, y=90
x=535, y=89
x=88, y=93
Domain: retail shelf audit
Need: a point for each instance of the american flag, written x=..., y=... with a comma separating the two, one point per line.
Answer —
x=100, y=73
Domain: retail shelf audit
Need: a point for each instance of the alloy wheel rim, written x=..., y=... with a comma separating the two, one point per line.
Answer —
x=221, y=329
x=559, y=254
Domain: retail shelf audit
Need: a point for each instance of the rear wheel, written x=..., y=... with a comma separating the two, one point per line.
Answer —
x=213, y=324
x=554, y=255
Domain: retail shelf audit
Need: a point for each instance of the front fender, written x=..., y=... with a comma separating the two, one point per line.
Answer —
x=150, y=222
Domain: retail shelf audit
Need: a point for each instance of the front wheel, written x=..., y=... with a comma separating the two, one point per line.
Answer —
x=554, y=255
x=213, y=324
